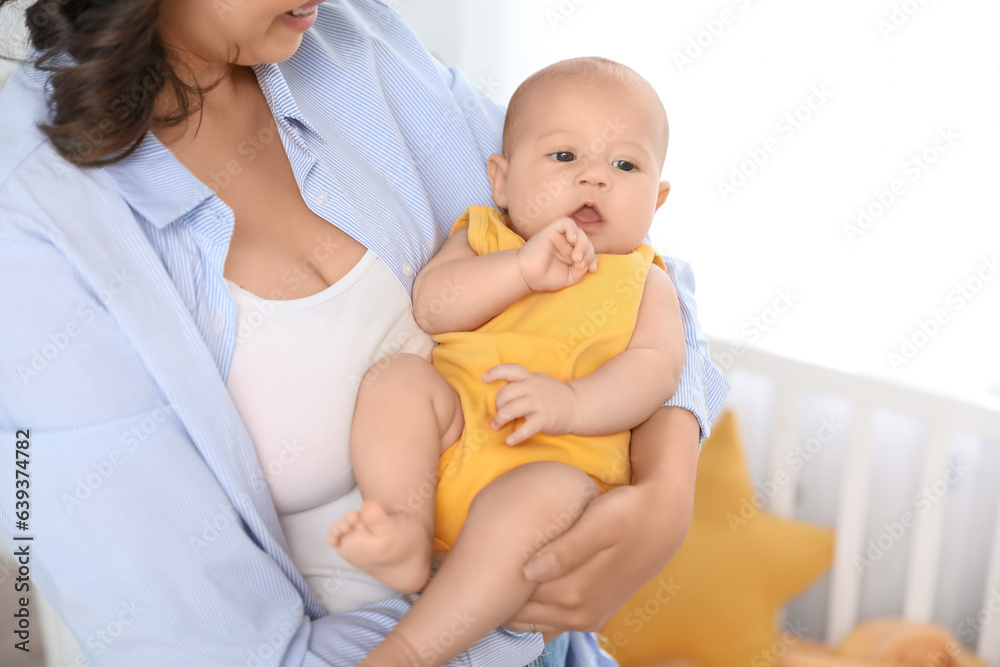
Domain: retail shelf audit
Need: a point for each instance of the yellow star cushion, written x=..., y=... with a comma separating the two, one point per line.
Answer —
x=715, y=603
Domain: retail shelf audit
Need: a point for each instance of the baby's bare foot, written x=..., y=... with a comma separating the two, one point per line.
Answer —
x=393, y=548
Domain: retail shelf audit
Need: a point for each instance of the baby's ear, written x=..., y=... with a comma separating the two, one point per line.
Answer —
x=662, y=195
x=496, y=170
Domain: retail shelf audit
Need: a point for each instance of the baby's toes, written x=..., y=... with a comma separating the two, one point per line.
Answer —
x=336, y=533
x=343, y=526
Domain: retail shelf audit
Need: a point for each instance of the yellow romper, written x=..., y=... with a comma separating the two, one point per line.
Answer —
x=567, y=334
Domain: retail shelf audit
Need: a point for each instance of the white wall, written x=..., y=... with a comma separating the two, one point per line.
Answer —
x=889, y=92
x=892, y=91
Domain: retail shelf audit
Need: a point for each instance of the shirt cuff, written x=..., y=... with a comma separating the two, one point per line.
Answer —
x=702, y=390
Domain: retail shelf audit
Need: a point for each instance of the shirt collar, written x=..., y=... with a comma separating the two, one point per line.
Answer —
x=279, y=97
x=162, y=189
x=156, y=184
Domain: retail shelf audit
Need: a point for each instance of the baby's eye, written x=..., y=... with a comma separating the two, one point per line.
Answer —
x=562, y=156
x=624, y=165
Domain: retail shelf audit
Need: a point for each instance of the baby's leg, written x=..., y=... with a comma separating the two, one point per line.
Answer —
x=405, y=417
x=480, y=585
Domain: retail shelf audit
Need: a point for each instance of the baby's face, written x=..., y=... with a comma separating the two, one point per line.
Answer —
x=589, y=152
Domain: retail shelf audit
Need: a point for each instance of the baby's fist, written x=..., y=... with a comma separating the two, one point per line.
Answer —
x=556, y=256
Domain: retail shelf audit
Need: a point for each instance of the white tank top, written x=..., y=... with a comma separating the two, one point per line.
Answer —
x=294, y=379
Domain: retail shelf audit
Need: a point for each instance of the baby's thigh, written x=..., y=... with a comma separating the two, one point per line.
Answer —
x=543, y=498
x=407, y=382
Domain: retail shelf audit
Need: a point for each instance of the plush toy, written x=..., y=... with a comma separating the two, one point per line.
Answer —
x=886, y=642
x=714, y=604
x=902, y=643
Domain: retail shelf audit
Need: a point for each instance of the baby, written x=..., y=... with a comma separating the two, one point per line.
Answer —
x=556, y=335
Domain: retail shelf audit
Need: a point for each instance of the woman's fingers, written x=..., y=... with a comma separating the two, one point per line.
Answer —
x=528, y=626
x=590, y=535
x=546, y=615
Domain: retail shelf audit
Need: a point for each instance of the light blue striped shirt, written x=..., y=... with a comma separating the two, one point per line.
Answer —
x=153, y=534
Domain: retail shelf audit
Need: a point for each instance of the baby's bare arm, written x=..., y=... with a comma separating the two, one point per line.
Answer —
x=458, y=290
x=628, y=388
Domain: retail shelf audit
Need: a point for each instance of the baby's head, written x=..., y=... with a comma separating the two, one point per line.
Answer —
x=584, y=138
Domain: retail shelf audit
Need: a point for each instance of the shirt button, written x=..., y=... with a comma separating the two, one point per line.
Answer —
x=407, y=269
x=322, y=197
x=218, y=320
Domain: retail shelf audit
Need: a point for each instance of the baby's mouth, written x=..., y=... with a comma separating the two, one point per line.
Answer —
x=587, y=217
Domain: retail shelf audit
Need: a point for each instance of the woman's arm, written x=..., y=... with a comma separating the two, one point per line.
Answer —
x=624, y=537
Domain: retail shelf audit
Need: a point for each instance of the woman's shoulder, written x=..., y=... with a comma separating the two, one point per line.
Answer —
x=37, y=185
x=22, y=107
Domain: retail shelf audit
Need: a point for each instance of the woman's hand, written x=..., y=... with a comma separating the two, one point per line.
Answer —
x=623, y=538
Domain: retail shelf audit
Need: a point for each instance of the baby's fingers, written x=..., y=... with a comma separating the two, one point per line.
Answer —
x=508, y=372
x=530, y=427
x=570, y=229
x=564, y=239
x=583, y=251
x=511, y=410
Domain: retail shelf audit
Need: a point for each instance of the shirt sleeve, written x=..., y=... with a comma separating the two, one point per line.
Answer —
x=133, y=541
x=703, y=387
x=483, y=115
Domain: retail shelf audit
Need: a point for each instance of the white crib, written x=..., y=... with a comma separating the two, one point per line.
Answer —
x=873, y=447
x=876, y=451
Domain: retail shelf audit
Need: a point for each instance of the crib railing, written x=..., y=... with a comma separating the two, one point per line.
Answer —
x=941, y=421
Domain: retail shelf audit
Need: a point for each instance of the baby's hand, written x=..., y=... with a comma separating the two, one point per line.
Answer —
x=556, y=256
x=547, y=404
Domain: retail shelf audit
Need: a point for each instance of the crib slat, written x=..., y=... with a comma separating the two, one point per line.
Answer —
x=852, y=523
x=783, y=480
x=784, y=427
x=989, y=635
x=925, y=552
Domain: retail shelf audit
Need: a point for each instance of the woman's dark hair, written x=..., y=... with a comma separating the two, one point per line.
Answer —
x=105, y=103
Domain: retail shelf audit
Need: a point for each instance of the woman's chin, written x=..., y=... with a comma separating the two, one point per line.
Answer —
x=280, y=44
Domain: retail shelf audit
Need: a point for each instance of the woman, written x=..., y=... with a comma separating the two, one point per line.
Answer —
x=126, y=239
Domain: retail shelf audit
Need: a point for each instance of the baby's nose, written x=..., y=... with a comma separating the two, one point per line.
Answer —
x=593, y=174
